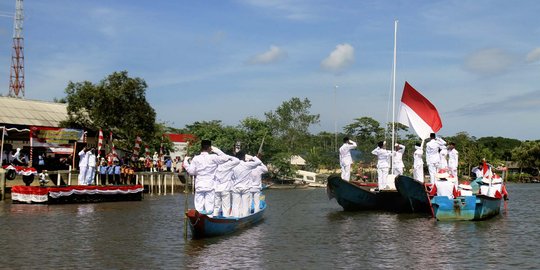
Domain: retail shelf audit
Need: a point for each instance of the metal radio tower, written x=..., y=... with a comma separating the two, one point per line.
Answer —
x=16, y=82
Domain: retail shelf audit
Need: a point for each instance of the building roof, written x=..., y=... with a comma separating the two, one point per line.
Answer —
x=17, y=111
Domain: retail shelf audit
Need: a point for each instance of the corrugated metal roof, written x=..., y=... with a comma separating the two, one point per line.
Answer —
x=17, y=111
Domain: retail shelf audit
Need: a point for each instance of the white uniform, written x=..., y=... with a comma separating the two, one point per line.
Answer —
x=445, y=188
x=433, y=157
x=453, y=159
x=383, y=164
x=83, y=167
x=418, y=165
x=443, y=164
x=256, y=185
x=397, y=161
x=91, y=172
x=241, y=187
x=345, y=160
x=204, y=166
x=223, y=178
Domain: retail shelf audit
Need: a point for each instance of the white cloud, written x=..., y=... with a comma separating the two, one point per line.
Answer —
x=274, y=54
x=534, y=55
x=339, y=59
x=489, y=61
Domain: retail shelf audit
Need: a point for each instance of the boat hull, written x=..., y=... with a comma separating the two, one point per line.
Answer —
x=414, y=192
x=475, y=207
x=203, y=226
x=359, y=197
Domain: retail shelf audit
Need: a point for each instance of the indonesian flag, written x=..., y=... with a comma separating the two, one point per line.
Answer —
x=137, y=147
x=147, y=151
x=418, y=112
x=100, y=141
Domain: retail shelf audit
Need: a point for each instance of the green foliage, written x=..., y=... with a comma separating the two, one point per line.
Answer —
x=117, y=103
x=281, y=164
x=221, y=136
x=501, y=148
x=527, y=154
x=366, y=132
x=290, y=122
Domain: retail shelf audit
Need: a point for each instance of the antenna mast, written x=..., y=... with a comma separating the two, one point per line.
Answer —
x=16, y=81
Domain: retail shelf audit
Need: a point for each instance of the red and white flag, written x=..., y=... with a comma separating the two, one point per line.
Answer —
x=137, y=147
x=147, y=151
x=418, y=112
x=100, y=141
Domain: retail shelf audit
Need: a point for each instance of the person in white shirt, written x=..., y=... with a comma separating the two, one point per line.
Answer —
x=453, y=159
x=442, y=186
x=418, y=165
x=91, y=171
x=83, y=166
x=241, y=194
x=432, y=155
x=397, y=161
x=345, y=158
x=443, y=161
x=203, y=167
x=383, y=163
x=256, y=185
x=223, y=178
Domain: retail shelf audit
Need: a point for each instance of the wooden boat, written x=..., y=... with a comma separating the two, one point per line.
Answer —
x=202, y=225
x=475, y=207
x=415, y=192
x=356, y=196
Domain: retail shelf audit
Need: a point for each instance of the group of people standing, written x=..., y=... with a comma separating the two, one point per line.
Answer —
x=225, y=185
x=439, y=155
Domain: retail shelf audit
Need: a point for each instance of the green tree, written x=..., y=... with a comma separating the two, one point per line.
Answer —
x=290, y=123
x=117, y=103
x=527, y=155
x=221, y=136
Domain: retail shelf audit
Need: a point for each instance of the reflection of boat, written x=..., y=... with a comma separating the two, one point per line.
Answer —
x=475, y=207
x=356, y=196
x=202, y=225
x=414, y=192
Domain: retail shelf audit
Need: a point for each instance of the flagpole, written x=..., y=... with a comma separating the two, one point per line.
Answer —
x=394, y=95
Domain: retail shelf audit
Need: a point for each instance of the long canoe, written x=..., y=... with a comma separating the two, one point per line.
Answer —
x=355, y=196
x=202, y=225
x=415, y=192
x=475, y=207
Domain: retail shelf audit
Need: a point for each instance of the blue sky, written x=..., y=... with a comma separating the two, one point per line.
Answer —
x=477, y=61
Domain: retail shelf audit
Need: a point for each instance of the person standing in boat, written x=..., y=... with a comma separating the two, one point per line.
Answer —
x=223, y=179
x=256, y=185
x=241, y=194
x=443, y=153
x=418, y=165
x=345, y=158
x=453, y=159
x=383, y=163
x=397, y=160
x=203, y=167
x=433, y=158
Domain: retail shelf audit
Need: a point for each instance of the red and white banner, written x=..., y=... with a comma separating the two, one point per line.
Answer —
x=418, y=112
x=30, y=194
x=100, y=141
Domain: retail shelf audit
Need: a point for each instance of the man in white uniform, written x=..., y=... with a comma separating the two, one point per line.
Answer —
x=443, y=162
x=453, y=159
x=256, y=185
x=397, y=161
x=242, y=184
x=345, y=159
x=418, y=165
x=91, y=172
x=203, y=167
x=383, y=163
x=432, y=155
x=223, y=178
x=442, y=186
x=83, y=166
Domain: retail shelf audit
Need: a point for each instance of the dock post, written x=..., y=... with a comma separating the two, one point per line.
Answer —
x=172, y=183
x=2, y=184
x=152, y=183
x=159, y=183
x=58, y=179
x=69, y=176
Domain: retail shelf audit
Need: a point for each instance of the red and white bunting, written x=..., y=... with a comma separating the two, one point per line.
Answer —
x=137, y=147
x=100, y=141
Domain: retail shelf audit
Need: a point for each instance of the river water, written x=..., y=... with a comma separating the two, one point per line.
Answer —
x=301, y=230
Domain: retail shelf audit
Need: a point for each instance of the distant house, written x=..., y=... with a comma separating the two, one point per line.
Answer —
x=180, y=144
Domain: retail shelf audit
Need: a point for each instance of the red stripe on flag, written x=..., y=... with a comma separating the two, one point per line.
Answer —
x=422, y=106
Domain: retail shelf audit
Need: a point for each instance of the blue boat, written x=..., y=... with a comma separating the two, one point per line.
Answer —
x=475, y=207
x=356, y=196
x=415, y=192
x=202, y=225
